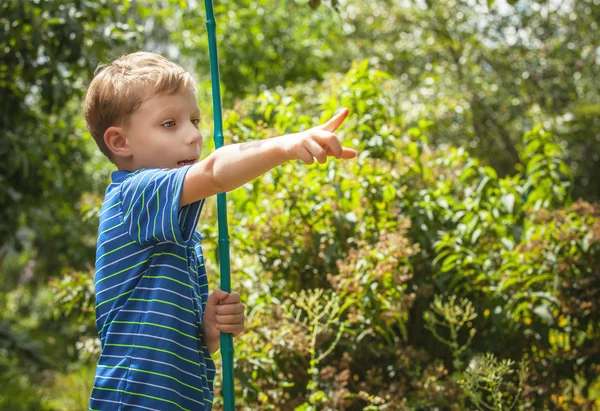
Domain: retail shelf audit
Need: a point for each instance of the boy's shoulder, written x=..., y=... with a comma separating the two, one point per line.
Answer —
x=128, y=182
x=118, y=177
x=147, y=201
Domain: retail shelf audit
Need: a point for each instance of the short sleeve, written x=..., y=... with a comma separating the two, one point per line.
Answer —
x=150, y=202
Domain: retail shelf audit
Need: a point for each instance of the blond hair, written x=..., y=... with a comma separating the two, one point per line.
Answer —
x=120, y=87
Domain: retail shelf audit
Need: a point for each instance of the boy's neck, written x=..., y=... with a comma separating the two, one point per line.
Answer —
x=125, y=165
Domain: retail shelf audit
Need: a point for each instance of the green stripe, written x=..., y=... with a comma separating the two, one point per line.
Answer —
x=123, y=270
x=114, y=298
x=112, y=251
x=156, y=214
x=177, y=281
x=140, y=395
x=185, y=219
x=154, y=373
x=171, y=213
x=112, y=228
x=152, y=348
x=132, y=199
x=135, y=265
x=171, y=254
x=140, y=216
x=169, y=278
x=147, y=323
x=154, y=300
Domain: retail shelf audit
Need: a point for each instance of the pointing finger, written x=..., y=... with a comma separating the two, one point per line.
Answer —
x=336, y=121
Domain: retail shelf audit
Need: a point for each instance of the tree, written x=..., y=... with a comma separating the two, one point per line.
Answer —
x=49, y=51
x=485, y=75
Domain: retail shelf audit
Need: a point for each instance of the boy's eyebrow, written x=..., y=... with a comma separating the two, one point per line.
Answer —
x=170, y=109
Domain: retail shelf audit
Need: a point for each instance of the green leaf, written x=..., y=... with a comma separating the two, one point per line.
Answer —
x=508, y=243
x=268, y=112
x=449, y=262
x=538, y=279
x=389, y=193
x=317, y=396
x=440, y=256
x=503, y=286
x=544, y=313
x=484, y=181
x=351, y=217
x=508, y=201
x=475, y=235
x=314, y=4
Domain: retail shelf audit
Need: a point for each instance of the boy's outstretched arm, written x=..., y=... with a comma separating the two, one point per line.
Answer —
x=235, y=165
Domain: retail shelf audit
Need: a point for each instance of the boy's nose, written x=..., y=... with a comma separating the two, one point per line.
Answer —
x=195, y=137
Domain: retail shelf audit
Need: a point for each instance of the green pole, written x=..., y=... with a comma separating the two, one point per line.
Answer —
x=226, y=339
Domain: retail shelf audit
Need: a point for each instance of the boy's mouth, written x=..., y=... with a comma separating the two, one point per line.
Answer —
x=187, y=162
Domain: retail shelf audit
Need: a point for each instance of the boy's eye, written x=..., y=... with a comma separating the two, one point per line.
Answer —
x=169, y=124
x=196, y=122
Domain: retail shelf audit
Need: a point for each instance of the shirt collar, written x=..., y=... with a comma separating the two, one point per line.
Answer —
x=119, y=175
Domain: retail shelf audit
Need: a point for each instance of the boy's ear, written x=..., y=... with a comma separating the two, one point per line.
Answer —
x=116, y=142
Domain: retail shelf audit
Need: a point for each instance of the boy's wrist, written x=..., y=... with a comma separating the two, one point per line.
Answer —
x=280, y=149
x=213, y=344
x=287, y=144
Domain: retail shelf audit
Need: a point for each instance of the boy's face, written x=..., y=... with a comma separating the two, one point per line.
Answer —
x=163, y=131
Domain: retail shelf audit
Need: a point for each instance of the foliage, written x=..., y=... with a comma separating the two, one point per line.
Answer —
x=48, y=51
x=317, y=313
x=455, y=229
x=486, y=74
x=485, y=383
x=258, y=47
x=452, y=316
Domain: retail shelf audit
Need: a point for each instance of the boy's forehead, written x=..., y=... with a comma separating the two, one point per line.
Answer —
x=178, y=100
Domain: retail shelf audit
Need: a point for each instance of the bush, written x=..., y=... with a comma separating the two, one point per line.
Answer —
x=393, y=235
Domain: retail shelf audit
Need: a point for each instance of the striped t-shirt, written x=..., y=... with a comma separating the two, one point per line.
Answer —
x=151, y=291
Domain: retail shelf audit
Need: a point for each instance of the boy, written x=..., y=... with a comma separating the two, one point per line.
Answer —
x=158, y=327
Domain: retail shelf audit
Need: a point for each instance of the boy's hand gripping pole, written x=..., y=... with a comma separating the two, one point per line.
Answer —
x=226, y=339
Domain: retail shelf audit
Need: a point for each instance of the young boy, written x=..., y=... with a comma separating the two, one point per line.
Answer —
x=157, y=324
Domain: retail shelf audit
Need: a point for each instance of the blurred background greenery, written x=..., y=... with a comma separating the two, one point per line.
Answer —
x=454, y=265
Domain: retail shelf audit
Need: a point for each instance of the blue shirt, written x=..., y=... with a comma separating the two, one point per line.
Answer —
x=151, y=291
